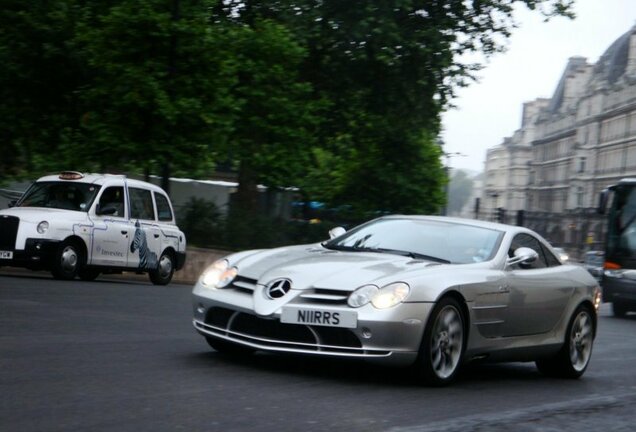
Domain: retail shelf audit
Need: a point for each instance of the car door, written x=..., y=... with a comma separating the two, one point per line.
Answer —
x=490, y=304
x=145, y=242
x=112, y=229
x=538, y=292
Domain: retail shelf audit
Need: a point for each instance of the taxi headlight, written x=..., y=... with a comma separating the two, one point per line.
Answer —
x=390, y=295
x=218, y=275
x=43, y=227
x=362, y=295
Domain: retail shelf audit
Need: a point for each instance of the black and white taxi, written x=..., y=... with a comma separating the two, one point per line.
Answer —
x=76, y=224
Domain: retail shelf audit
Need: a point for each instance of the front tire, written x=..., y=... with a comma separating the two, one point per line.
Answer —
x=573, y=358
x=225, y=347
x=67, y=261
x=162, y=275
x=443, y=344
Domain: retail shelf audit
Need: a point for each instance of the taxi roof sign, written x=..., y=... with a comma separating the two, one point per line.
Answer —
x=71, y=175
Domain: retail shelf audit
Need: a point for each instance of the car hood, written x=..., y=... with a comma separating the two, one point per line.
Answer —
x=38, y=214
x=316, y=267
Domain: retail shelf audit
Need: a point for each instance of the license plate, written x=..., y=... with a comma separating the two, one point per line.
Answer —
x=320, y=317
x=6, y=255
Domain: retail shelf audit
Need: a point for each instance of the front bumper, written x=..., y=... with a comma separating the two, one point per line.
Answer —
x=390, y=336
x=37, y=254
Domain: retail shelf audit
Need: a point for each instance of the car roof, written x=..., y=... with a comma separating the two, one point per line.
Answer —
x=101, y=179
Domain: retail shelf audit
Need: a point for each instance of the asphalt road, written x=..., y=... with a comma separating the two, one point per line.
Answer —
x=122, y=356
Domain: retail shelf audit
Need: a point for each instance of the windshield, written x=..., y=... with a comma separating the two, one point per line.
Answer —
x=621, y=239
x=61, y=195
x=434, y=240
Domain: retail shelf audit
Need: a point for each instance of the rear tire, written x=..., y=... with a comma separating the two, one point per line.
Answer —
x=573, y=358
x=162, y=275
x=442, y=348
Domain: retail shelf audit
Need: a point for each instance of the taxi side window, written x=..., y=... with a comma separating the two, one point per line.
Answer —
x=163, y=207
x=141, y=204
x=112, y=201
x=526, y=240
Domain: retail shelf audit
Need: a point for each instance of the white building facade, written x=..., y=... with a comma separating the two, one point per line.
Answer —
x=570, y=147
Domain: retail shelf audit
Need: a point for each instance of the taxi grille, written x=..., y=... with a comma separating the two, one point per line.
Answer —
x=250, y=327
x=8, y=232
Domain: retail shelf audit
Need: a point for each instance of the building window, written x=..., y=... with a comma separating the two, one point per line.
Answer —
x=582, y=162
x=579, y=196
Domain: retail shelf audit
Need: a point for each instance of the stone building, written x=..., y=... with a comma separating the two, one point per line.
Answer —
x=576, y=143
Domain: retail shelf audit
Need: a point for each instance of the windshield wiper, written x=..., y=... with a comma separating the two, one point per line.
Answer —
x=409, y=254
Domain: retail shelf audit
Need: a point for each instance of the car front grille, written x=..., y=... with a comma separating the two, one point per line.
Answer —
x=8, y=232
x=324, y=296
x=272, y=334
x=243, y=284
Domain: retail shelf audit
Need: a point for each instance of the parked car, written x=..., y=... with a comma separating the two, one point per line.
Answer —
x=432, y=292
x=593, y=262
x=83, y=225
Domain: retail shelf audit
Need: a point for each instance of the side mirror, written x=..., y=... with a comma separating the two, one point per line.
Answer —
x=336, y=232
x=523, y=255
x=12, y=203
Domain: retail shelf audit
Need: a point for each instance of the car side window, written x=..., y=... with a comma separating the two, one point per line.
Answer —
x=526, y=240
x=141, y=204
x=163, y=207
x=550, y=259
x=112, y=201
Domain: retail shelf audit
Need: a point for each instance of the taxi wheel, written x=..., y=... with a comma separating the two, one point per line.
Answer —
x=67, y=261
x=162, y=275
x=443, y=344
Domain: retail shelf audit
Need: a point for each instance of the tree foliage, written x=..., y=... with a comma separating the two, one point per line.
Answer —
x=342, y=99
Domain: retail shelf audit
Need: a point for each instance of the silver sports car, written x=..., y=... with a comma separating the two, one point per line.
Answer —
x=429, y=292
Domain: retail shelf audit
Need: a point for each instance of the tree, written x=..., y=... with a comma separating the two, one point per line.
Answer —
x=159, y=98
x=274, y=116
x=388, y=70
x=38, y=79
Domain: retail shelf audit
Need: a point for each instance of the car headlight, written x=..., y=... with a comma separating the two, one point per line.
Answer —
x=362, y=295
x=381, y=298
x=390, y=295
x=218, y=275
x=43, y=227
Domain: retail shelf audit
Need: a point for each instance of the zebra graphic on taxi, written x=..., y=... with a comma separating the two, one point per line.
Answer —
x=147, y=258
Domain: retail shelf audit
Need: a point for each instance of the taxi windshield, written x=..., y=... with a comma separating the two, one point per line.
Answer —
x=74, y=196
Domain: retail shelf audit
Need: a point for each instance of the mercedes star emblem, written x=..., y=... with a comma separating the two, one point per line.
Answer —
x=278, y=288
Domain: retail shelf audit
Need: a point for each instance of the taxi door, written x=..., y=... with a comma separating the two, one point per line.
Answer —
x=112, y=229
x=145, y=241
